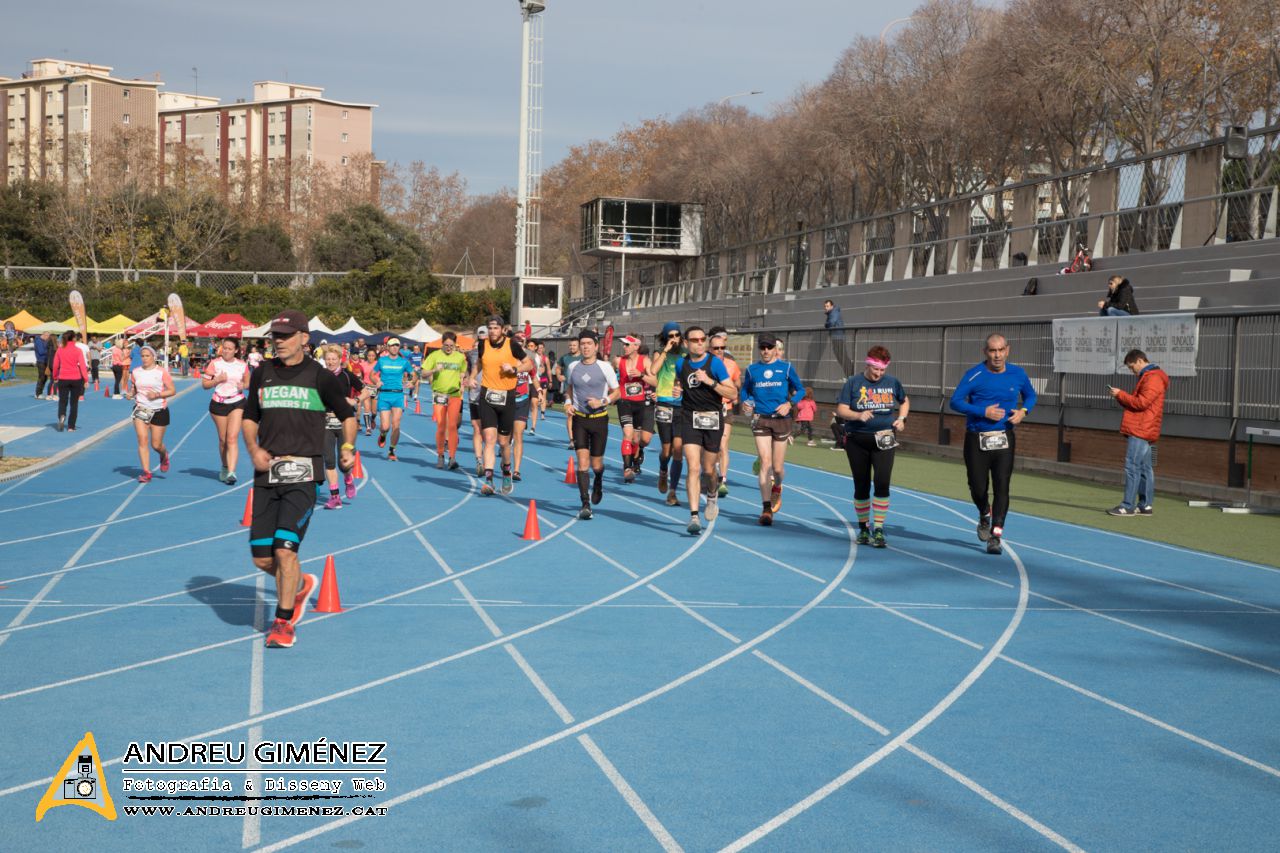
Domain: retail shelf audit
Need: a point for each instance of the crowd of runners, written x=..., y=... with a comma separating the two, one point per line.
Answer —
x=299, y=411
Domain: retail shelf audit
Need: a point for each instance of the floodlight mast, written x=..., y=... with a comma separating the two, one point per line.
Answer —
x=529, y=174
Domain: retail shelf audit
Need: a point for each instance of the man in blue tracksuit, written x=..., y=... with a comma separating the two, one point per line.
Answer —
x=994, y=397
x=770, y=389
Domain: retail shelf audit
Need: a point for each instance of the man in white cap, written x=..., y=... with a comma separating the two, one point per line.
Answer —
x=393, y=375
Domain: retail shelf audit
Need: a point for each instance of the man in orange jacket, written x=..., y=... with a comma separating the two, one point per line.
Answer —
x=1143, y=412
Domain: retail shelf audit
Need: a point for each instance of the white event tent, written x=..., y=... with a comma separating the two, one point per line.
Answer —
x=422, y=331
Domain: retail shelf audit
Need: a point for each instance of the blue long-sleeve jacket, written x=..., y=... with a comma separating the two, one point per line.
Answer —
x=41, y=347
x=980, y=388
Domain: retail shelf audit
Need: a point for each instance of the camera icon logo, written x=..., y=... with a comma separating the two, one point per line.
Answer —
x=80, y=781
x=85, y=786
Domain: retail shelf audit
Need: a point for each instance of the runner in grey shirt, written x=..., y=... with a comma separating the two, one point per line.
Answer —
x=591, y=387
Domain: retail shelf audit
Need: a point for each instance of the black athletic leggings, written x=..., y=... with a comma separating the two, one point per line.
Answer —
x=993, y=465
x=117, y=370
x=864, y=457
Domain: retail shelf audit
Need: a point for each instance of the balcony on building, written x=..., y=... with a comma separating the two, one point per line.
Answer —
x=641, y=228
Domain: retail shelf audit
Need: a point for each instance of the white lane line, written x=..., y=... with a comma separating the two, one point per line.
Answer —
x=465, y=653
x=906, y=734
x=576, y=728
x=620, y=784
x=66, y=498
x=251, y=832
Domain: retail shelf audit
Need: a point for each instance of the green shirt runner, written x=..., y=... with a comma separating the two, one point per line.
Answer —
x=446, y=371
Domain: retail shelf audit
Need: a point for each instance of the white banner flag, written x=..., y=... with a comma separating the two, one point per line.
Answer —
x=1084, y=345
x=1097, y=345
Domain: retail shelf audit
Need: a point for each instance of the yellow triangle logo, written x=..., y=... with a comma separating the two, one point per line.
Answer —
x=79, y=782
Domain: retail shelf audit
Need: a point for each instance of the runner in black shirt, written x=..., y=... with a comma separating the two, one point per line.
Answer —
x=284, y=434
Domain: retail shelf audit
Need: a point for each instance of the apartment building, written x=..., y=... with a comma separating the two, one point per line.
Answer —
x=262, y=141
x=55, y=114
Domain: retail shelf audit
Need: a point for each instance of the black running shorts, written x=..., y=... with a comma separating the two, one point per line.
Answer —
x=591, y=433
x=707, y=439
x=280, y=517
x=636, y=413
x=500, y=417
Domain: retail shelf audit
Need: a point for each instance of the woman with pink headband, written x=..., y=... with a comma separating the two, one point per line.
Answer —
x=867, y=404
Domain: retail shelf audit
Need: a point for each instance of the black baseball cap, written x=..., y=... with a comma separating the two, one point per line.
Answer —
x=766, y=341
x=290, y=321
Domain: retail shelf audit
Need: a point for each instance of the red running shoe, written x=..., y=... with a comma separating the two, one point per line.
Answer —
x=281, y=635
x=164, y=462
x=144, y=477
x=300, y=602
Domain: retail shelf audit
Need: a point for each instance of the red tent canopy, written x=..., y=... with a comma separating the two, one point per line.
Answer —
x=222, y=326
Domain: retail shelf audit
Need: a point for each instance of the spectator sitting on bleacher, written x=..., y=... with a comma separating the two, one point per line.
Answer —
x=1119, y=301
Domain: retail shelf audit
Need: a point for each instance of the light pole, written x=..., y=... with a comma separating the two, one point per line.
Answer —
x=530, y=136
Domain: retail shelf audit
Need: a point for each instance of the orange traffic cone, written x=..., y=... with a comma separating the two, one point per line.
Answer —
x=531, y=531
x=106, y=392
x=358, y=470
x=417, y=406
x=247, y=520
x=571, y=475
x=328, y=600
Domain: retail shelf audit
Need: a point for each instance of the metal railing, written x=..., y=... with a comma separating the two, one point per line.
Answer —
x=226, y=282
x=1130, y=206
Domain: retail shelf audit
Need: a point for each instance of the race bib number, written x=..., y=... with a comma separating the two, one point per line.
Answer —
x=662, y=414
x=886, y=439
x=440, y=399
x=291, y=469
x=331, y=421
x=706, y=420
x=495, y=398
x=633, y=389
x=143, y=414
x=998, y=440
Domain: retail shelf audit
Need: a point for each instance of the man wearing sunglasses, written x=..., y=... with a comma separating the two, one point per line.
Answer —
x=719, y=347
x=499, y=361
x=706, y=384
x=661, y=376
x=770, y=389
x=284, y=435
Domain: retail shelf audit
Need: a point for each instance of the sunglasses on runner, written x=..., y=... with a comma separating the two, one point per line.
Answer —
x=695, y=340
x=717, y=349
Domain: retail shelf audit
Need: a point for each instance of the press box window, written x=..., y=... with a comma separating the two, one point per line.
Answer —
x=541, y=296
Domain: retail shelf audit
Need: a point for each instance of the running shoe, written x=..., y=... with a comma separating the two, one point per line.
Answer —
x=637, y=461
x=713, y=508
x=776, y=497
x=439, y=462
x=1144, y=510
x=117, y=396
x=382, y=439
x=755, y=467
x=507, y=486
x=864, y=536
x=391, y=456
x=628, y=476
x=62, y=423
x=877, y=538
x=486, y=488
x=515, y=475
x=281, y=635
x=231, y=478
x=144, y=477
x=222, y=475
x=479, y=468
x=694, y=527
x=811, y=443
x=671, y=498
x=1121, y=510
x=723, y=491
x=453, y=465
x=164, y=462
x=350, y=484
x=597, y=492
x=334, y=502
x=984, y=529
x=766, y=518
x=662, y=480
x=993, y=545
x=305, y=589
x=585, y=512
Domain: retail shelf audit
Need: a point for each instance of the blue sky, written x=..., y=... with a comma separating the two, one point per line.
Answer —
x=446, y=75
